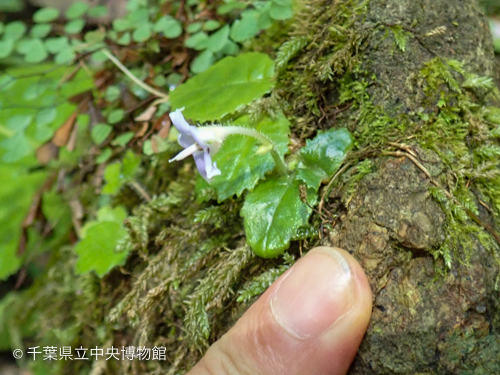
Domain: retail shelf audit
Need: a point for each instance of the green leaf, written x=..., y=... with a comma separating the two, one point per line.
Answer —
x=247, y=27
x=211, y=25
x=194, y=27
x=279, y=12
x=241, y=167
x=323, y=155
x=112, y=93
x=228, y=7
x=123, y=139
x=197, y=41
x=56, y=45
x=230, y=48
x=225, y=86
x=218, y=40
x=104, y=156
x=19, y=123
x=14, y=31
x=46, y=116
x=17, y=147
x=100, y=132
x=116, y=116
x=400, y=36
x=125, y=39
x=34, y=51
x=76, y=10
x=113, y=179
x=18, y=186
x=74, y=27
x=273, y=213
x=131, y=163
x=169, y=26
x=6, y=48
x=142, y=33
x=46, y=15
x=95, y=37
x=96, y=252
x=64, y=57
x=121, y=24
x=40, y=31
x=202, y=62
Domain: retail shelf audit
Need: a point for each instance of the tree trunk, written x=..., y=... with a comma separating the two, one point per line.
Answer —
x=394, y=84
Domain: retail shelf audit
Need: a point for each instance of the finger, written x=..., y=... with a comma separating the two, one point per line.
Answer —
x=310, y=321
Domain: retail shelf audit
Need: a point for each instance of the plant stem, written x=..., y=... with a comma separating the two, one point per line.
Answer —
x=129, y=74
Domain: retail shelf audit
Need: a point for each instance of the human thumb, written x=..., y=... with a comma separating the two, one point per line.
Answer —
x=310, y=321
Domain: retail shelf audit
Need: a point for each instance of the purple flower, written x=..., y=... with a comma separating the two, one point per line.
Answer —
x=202, y=143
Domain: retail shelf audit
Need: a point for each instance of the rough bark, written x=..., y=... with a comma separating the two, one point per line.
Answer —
x=422, y=322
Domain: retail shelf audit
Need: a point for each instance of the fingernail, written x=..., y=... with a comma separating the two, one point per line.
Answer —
x=317, y=291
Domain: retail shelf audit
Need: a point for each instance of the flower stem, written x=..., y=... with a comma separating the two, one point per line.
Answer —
x=129, y=74
x=280, y=164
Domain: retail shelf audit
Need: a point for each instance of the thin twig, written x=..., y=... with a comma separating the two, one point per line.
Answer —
x=325, y=191
x=129, y=74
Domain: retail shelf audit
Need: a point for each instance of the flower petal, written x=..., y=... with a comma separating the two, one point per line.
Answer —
x=180, y=122
x=185, y=140
x=191, y=150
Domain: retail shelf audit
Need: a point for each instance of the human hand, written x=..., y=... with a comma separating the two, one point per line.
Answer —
x=310, y=321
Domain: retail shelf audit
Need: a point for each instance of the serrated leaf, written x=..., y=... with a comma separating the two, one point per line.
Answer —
x=475, y=81
x=400, y=36
x=241, y=167
x=46, y=15
x=273, y=213
x=225, y=86
x=96, y=252
x=323, y=155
